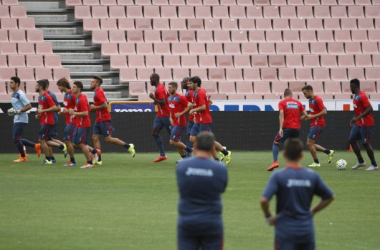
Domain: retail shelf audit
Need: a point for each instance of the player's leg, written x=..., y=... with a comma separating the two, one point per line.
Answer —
x=81, y=140
x=175, y=140
x=355, y=135
x=306, y=246
x=366, y=132
x=214, y=241
x=67, y=137
x=190, y=125
x=311, y=137
x=16, y=134
x=276, y=147
x=107, y=130
x=157, y=127
x=186, y=241
x=43, y=136
x=194, y=132
x=328, y=152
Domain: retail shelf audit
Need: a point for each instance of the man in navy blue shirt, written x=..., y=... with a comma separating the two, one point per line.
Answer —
x=201, y=182
x=294, y=188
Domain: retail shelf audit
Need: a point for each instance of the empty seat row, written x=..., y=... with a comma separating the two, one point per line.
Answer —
x=83, y=12
x=12, y=11
x=244, y=61
x=212, y=48
x=31, y=35
x=253, y=74
x=8, y=2
x=24, y=48
x=221, y=2
x=118, y=36
x=17, y=23
x=230, y=24
x=39, y=73
x=30, y=61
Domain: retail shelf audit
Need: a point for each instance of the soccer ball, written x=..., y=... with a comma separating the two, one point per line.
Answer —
x=341, y=164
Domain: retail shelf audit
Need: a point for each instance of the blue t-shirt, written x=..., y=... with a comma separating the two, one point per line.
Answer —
x=55, y=100
x=201, y=183
x=19, y=100
x=294, y=189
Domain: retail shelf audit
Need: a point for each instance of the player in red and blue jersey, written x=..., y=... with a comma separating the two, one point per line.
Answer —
x=190, y=98
x=362, y=123
x=203, y=120
x=83, y=122
x=46, y=107
x=178, y=106
x=103, y=125
x=290, y=123
x=160, y=98
x=317, y=124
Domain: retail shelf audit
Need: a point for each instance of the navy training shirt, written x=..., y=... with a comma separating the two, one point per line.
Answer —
x=294, y=189
x=201, y=183
x=55, y=100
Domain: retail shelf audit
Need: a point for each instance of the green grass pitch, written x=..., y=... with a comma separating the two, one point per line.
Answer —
x=132, y=204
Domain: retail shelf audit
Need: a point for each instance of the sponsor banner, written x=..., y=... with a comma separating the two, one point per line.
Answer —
x=120, y=107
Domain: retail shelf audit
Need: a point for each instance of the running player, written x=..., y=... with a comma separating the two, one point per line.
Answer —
x=317, y=124
x=46, y=107
x=190, y=98
x=178, y=109
x=103, y=125
x=203, y=118
x=362, y=123
x=83, y=122
x=20, y=105
x=290, y=123
x=68, y=103
x=160, y=98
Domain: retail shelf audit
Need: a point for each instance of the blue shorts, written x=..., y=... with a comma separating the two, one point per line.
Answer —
x=160, y=122
x=53, y=131
x=177, y=133
x=288, y=133
x=200, y=127
x=81, y=135
x=190, y=125
x=103, y=128
x=314, y=132
x=210, y=240
x=17, y=130
x=69, y=132
x=290, y=245
x=361, y=133
x=44, y=133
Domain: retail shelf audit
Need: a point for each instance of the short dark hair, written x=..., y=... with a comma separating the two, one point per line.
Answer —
x=43, y=84
x=155, y=76
x=308, y=88
x=293, y=148
x=205, y=141
x=196, y=80
x=174, y=84
x=99, y=79
x=16, y=80
x=288, y=92
x=64, y=83
x=355, y=82
x=184, y=82
x=79, y=85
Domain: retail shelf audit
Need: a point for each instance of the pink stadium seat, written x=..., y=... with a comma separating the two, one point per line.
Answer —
x=194, y=2
x=144, y=48
x=210, y=87
x=257, y=36
x=235, y=74
x=288, y=12
x=187, y=36
x=365, y=24
x=7, y=73
x=325, y=35
x=169, y=36
x=358, y=73
x=236, y=97
x=363, y=61
x=355, y=11
x=301, y=48
x=338, y=12
x=374, y=35
x=116, y=11
x=260, y=61
x=165, y=74
x=211, y=2
x=276, y=61
x=321, y=74
x=336, y=48
x=161, y=24
x=353, y=48
x=52, y=61
x=17, y=36
x=230, y=24
x=291, y=36
x=363, y=2
x=28, y=48
x=18, y=11
x=136, y=61
x=118, y=36
x=9, y=48
x=273, y=36
x=278, y=2
x=237, y=12
x=304, y=74
x=207, y=61
x=126, y=23
x=189, y=61
x=16, y=61
x=227, y=87
x=263, y=24
x=128, y=74
x=262, y=87
x=346, y=2
x=152, y=12
x=195, y=24
x=249, y=48
x=172, y=61
x=26, y=74
x=333, y=87
x=203, y=11
x=227, y=2
x=254, y=12
x=333, y=24
x=133, y=35
x=372, y=11
x=212, y=24
x=370, y=74
x=82, y=12
x=243, y=87
x=322, y=12
x=251, y=74
x=150, y=36
x=44, y=73
x=125, y=2
x=90, y=2
x=222, y=36
x=232, y=48
x=338, y=74
x=311, y=61
x=9, y=23
x=283, y=48
x=247, y=24
x=162, y=48
x=317, y=87
x=134, y=12
x=297, y=24
x=376, y=62
x=268, y=74
x=59, y=73
x=296, y=87
x=220, y=11
x=100, y=36
x=286, y=74
x=168, y=12
x=278, y=87
x=137, y=88
x=224, y=61
x=346, y=61
x=368, y=86
x=127, y=49
x=244, y=2
x=348, y=24
x=108, y=2
x=318, y=48
x=91, y=24
x=143, y=24
x=242, y=61
x=359, y=35
x=178, y=24
x=118, y=61
x=186, y=12
x=107, y=24
x=308, y=36
x=4, y=11
x=239, y=36
x=202, y=73
x=218, y=96
x=294, y=61
x=143, y=74
x=197, y=48
x=305, y=12
x=73, y=2
x=271, y=12
x=10, y=2
x=153, y=61
x=179, y=74
x=315, y=23
x=329, y=61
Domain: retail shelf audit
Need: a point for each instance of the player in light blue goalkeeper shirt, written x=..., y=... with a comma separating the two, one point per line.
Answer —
x=20, y=105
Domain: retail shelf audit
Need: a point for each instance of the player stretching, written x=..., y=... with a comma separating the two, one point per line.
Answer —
x=203, y=118
x=317, y=124
x=20, y=104
x=362, y=123
x=178, y=109
x=190, y=98
x=68, y=103
x=46, y=107
x=103, y=125
x=83, y=122
x=160, y=98
x=290, y=123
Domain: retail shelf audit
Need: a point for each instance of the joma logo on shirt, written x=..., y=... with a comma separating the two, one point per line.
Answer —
x=199, y=172
x=171, y=105
x=298, y=183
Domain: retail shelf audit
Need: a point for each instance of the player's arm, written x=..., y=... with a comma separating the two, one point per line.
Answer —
x=304, y=115
x=281, y=118
x=51, y=104
x=185, y=103
x=322, y=204
x=270, y=190
x=25, y=108
x=103, y=106
x=368, y=109
x=323, y=191
x=199, y=109
x=323, y=112
x=82, y=114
